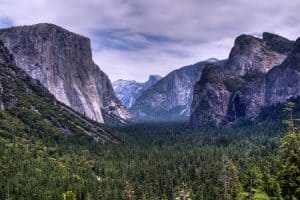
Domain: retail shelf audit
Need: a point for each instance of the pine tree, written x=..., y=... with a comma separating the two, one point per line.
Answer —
x=229, y=179
x=289, y=176
x=290, y=122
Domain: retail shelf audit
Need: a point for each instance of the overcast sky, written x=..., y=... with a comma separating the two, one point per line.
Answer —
x=132, y=39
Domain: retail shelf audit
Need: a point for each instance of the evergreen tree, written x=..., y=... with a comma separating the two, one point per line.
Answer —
x=229, y=180
x=69, y=195
x=254, y=181
x=289, y=176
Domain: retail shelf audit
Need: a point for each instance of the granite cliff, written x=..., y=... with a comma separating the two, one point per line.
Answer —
x=62, y=62
x=26, y=103
x=254, y=76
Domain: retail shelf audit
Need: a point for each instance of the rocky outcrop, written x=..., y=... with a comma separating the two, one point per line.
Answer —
x=246, y=83
x=213, y=96
x=27, y=100
x=62, y=62
x=129, y=91
x=277, y=86
x=251, y=54
x=171, y=97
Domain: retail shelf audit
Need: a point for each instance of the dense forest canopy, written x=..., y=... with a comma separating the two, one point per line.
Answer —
x=151, y=161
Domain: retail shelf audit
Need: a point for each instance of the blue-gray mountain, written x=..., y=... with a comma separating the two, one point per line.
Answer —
x=170, y=98
x=62, y=62
x=129, y=91
x=259, y=73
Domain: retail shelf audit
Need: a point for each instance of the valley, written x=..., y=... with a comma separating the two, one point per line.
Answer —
x=156, y=161
x=216, y=129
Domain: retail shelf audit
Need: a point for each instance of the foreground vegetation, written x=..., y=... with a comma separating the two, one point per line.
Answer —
x=152, y=161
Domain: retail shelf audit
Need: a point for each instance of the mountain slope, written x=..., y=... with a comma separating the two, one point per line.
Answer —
x=239, y=91
x=171, y=97
x=26, y=101
x=62, y=62
x=129, y=91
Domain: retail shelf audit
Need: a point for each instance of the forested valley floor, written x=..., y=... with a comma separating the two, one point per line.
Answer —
x=151, y=161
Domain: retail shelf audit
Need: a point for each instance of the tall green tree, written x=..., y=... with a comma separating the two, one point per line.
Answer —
x=289, y=175
x=229, y=180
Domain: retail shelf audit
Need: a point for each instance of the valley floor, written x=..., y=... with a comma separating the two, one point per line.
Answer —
x=151, y=161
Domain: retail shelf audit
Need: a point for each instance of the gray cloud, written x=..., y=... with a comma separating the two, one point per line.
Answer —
x=132, y=39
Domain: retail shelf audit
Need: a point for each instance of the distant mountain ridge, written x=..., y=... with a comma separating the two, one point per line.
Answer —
x=62, y=62
x=129, y=91
x=170, y=98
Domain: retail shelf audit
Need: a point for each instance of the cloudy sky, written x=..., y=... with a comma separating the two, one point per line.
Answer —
x=134, y=38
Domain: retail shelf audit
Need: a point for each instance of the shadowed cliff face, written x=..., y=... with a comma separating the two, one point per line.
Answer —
x=254, y=76
x=62, y=62
x=213, y=97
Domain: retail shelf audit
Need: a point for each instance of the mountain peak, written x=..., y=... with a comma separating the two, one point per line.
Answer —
x=277, y=43
x=154, y=76
x=120, y=82
x=44, y=27
x=245, y=41
x=151, y=81
x=251, y=54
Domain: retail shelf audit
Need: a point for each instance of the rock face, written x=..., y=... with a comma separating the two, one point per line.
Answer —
x=62, y=62
x=27, y=100
x=277, y=86
x=129, y=91
x=255, y=76
x=171, y=97
x=212, y=95
x=251, y=54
